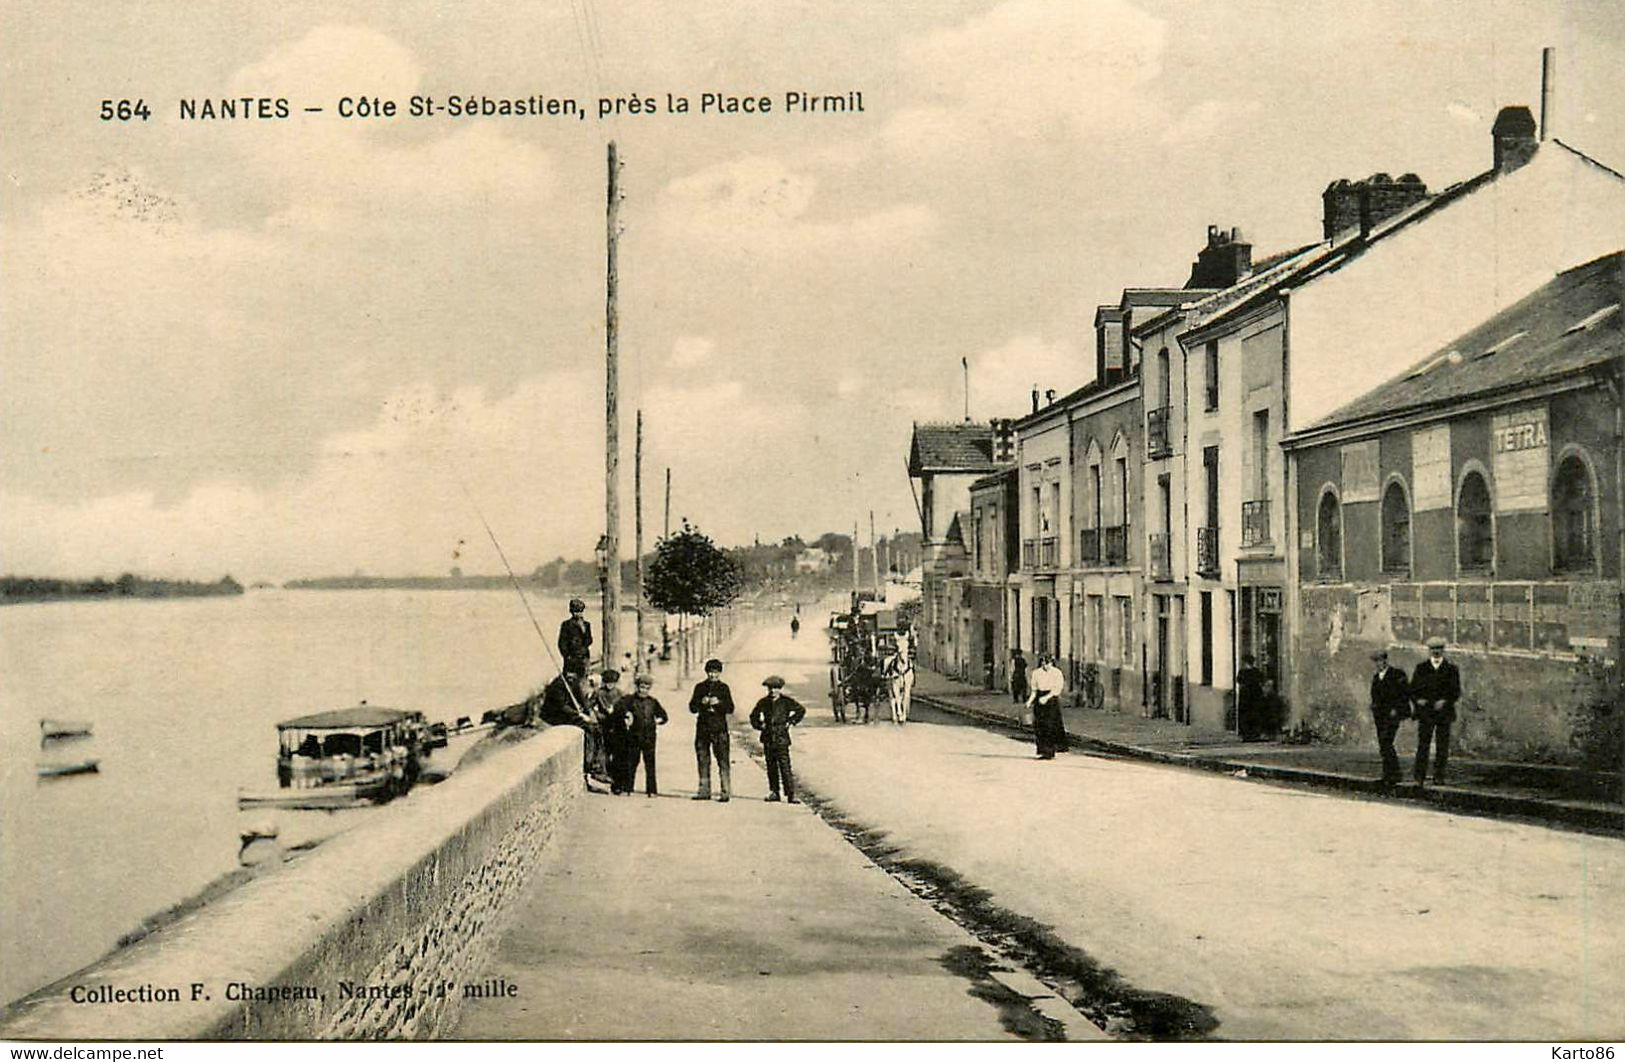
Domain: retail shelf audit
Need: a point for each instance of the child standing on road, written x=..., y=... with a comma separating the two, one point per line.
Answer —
x=639, y=713
x=773, y=717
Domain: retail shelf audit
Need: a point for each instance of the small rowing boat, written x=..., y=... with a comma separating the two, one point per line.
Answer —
x=58, y=770
x=53, y=729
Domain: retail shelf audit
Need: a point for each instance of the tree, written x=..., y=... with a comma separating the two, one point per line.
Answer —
x=689, y=574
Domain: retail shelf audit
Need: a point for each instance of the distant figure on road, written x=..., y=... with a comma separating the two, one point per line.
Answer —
x=773, y=717
x=1045, y=703
x=1018, y=676
x=1435, y=689
x=795, y=626
x=575, y=638
x=640, y=714
x=1390, y=705
x=1251, y=700
x=712, y=702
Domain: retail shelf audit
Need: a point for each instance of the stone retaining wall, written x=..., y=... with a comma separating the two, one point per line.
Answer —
x=377, y=934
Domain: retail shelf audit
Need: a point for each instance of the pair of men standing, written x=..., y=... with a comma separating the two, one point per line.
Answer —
x=712, y=702
x=1431, y=693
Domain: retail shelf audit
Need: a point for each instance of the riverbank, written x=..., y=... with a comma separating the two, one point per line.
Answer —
x=22, y=590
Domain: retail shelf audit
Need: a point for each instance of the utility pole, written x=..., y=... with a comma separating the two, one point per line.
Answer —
x=665, y=626
x=612, y=499
x=874, y=554
x=637, y=503
x=856, y=579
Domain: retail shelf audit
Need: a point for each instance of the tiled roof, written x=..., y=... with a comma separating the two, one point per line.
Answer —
x=994, y=479
x=1572, y=322
x=951, y=448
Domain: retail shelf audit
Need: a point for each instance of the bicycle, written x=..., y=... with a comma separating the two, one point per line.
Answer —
x=1091, y=693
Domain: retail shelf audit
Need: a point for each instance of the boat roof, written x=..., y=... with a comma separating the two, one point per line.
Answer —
x=365, y=715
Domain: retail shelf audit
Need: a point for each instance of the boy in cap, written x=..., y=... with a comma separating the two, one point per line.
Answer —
x=639, y=714
x=575, y=638
x=1390, y=705
x=712, y=702
x=602, y=705
x=773, y=717
x=1435, y=688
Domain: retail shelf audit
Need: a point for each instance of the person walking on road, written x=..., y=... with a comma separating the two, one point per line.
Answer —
x=712, y=702
x=773, y=717
x=1435, y=689
x=1390, y=706
x=575, y=638
x=640, y=715
x=1018, y=676
x=1045, y=704
x=795, y=626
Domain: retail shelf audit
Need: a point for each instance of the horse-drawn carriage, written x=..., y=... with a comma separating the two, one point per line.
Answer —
x=871, y=655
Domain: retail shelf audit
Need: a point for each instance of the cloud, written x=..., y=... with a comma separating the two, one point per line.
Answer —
x=690, y=351
x=1209, y=119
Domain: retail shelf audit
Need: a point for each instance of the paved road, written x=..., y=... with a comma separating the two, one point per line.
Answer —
x=1267, y=912
x=674, y=919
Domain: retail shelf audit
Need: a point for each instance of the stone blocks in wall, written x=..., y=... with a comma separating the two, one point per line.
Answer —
x=405, y=908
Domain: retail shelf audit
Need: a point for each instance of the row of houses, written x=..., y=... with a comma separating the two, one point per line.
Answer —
x=1409, y=427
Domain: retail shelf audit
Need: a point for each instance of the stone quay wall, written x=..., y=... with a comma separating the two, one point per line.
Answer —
x=379, y=933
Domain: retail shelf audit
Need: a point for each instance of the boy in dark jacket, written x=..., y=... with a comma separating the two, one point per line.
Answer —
x=1390, y=705
x=711, y=703
x=639, y=713
x=773, y=717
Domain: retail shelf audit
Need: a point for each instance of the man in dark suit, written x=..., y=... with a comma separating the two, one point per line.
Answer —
x=639, y=713
x=1435, y=689
x=773, y=717
x=575, y=638
x=711, y=703
x=1390, y=705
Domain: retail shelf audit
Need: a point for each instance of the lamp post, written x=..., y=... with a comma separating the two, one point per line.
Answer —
x=601, y=554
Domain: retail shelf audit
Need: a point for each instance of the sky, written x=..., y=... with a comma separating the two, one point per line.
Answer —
x=320, y=345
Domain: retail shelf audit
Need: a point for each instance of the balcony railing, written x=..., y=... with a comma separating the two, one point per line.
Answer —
x=1207, y=551
x=1255, y=523
x=1157, y=442
x=1114, y=545
x=1049, y=552
x=1029, y=553
x=1161, y=568
x=1088, y=547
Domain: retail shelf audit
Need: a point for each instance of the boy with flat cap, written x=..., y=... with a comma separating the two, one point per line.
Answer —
x=575, y=638
x=773, y=717
x=712, y=702
x=639, y=714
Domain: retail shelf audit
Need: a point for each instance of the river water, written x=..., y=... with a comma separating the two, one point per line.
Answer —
x=184, y=695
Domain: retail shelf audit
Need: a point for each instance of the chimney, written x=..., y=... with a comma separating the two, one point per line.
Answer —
x=1381, y=197
x=1548, y=92
x=1004, y=441
x=1368, y=203
x=1340, y=208
x=1035, y=398
x=1049, y=397
x=1225, y=260
x=1514, y=136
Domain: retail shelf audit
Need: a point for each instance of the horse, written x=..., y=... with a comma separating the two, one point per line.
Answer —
x=899, y=675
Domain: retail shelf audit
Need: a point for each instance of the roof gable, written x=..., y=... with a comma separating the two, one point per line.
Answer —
x=951, y=448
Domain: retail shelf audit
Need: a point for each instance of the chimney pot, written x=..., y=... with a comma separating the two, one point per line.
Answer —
x=1514, y=135
x=1035, y=398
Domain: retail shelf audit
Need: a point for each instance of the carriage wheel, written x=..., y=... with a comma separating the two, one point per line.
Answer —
x=836, y=694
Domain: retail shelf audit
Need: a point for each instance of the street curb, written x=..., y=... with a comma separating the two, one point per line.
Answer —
x=1484, y=802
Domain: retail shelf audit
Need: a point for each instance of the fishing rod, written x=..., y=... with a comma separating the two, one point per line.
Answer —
x=514, y=579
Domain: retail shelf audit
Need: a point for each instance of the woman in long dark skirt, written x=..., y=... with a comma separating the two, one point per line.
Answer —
x=1049, y=729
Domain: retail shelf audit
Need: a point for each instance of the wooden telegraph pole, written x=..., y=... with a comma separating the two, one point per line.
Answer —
x=874, y=554
x=612, y=500
x=637, y=493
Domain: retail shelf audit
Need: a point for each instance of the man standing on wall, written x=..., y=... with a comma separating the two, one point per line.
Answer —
x=1390, y=705
x=1435, y=689
x=575, y=638
x=711, y=703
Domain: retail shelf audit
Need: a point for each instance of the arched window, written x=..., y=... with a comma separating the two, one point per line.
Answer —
x=1573, y=526
x=1329, y=537
x=1396, y=530
x=1475, y=531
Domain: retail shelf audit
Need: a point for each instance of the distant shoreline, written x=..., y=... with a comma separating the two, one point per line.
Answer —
x=25, y=590
x=426, y=582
